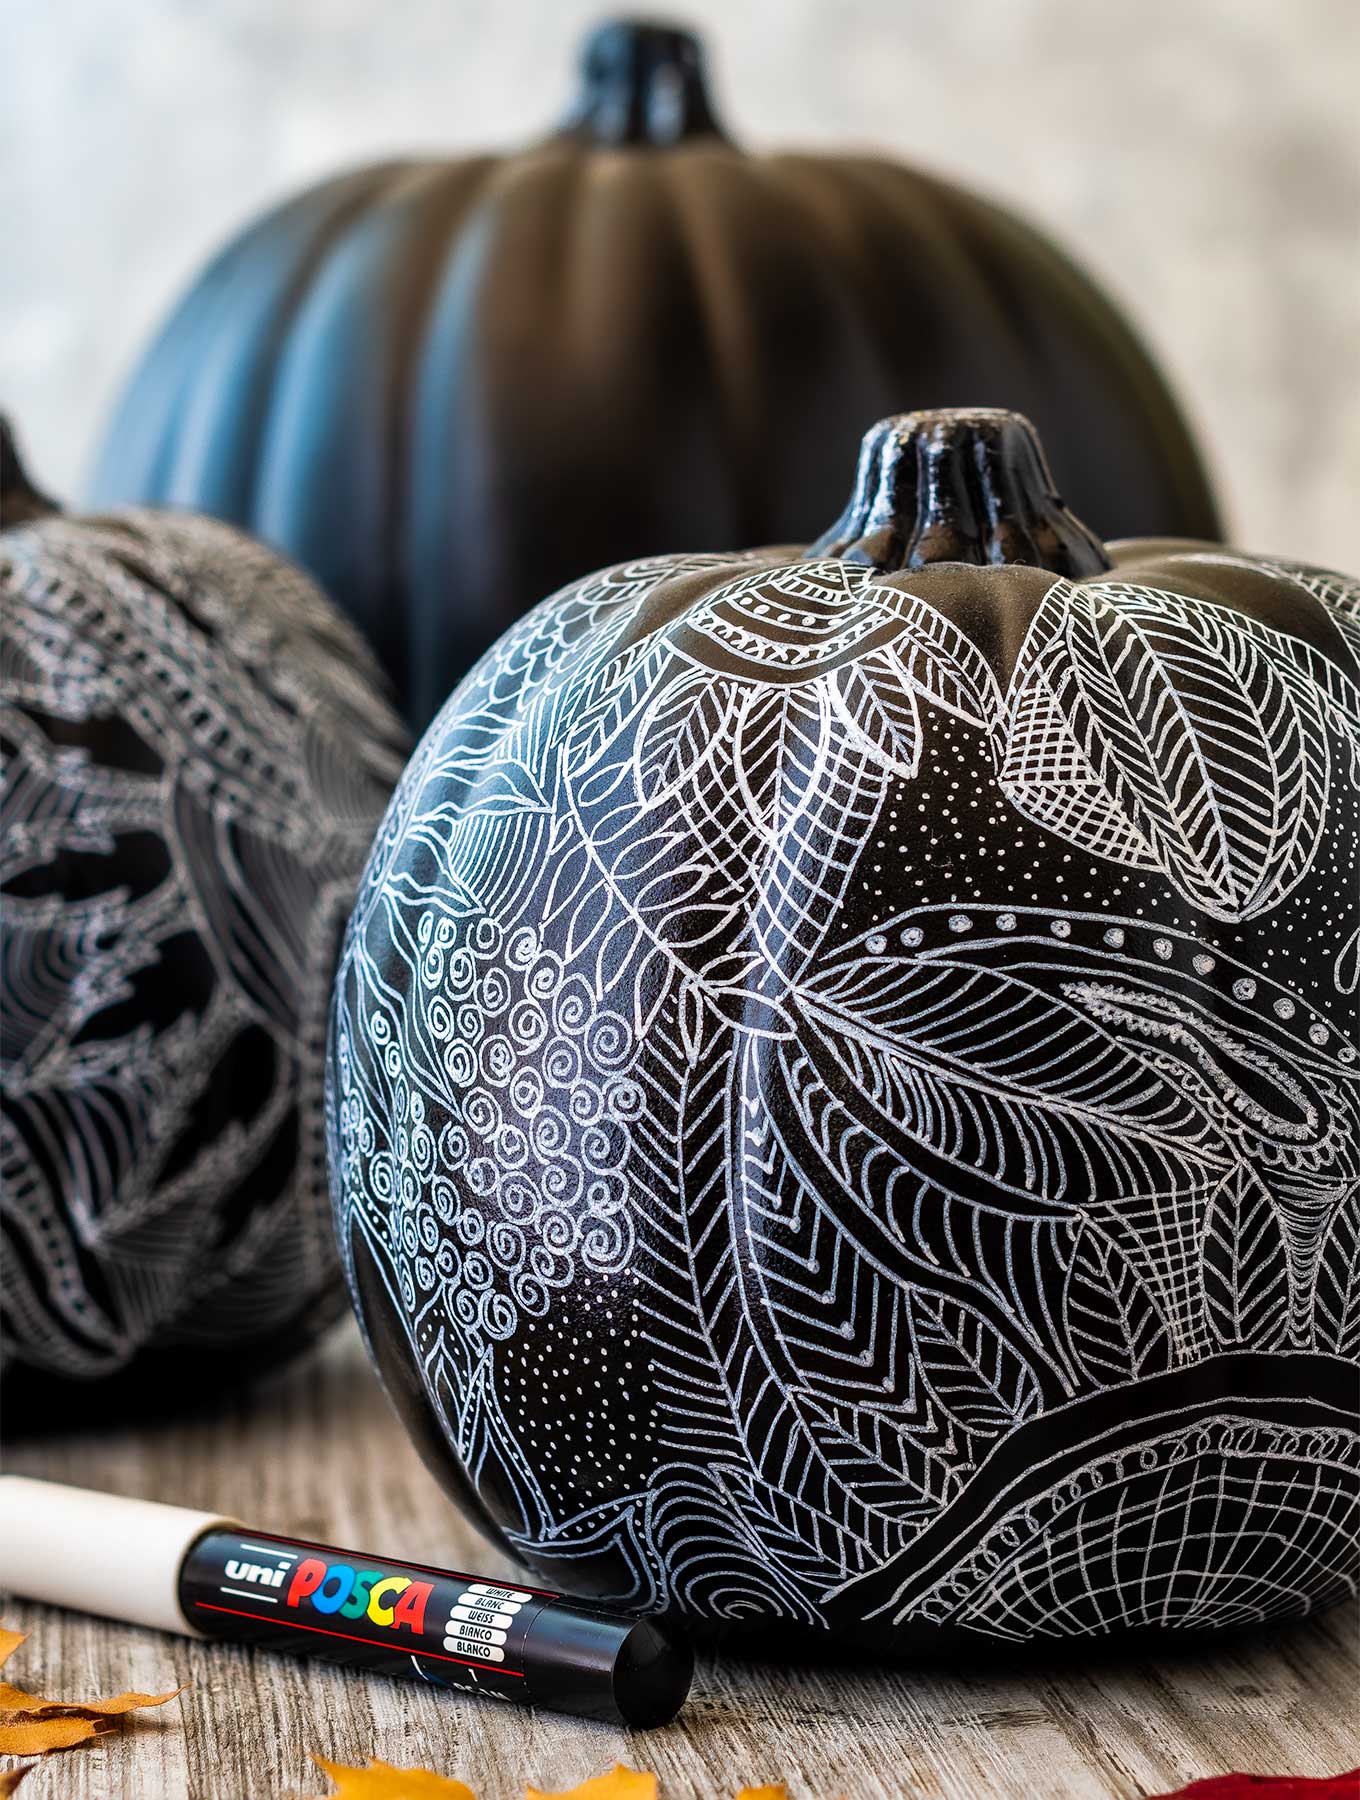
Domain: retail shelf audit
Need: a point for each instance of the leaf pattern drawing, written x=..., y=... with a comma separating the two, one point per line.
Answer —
x=1246, y=1276
x=969, y=1368
x=877, y=1123
x=1115, y=1330
x=1338, y=1282
x=1157, y=731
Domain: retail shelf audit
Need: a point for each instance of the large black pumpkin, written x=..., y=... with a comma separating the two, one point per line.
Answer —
x=448, y=387
x=845, y=1105
x=196, y=751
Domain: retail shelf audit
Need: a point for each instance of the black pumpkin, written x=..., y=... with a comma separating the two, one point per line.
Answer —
x=845, y=1102
x=447, y=388
x=197, y=751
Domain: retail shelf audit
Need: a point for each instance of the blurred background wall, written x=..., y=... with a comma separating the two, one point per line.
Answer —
x=1201, y=156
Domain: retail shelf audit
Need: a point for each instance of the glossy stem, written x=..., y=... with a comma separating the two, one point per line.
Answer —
x=968, y=485
x=642, y=83
x=20, y=501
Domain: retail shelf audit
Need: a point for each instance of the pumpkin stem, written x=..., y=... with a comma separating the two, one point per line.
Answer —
x=20, y=501
x=643, y=83
x=969, y=485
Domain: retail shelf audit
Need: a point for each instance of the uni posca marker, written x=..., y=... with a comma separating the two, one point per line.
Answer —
x=193, y=1572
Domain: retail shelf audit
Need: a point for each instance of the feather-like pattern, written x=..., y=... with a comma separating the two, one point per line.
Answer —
x=1116, y=1332
x=1246, y=1271
x=1337, y=1326
x=1191, y=745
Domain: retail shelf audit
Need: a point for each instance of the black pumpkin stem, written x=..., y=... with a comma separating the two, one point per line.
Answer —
x=969, y=485
x=643, y=83
x=20, y=501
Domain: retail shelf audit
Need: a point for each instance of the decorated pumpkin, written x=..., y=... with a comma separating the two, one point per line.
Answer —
x=844, y=1108
x=197, y=752
x=447, y=388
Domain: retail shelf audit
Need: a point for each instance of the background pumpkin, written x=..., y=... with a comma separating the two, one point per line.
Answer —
x=448, y=387
x=844, y=1110
x=197, y=750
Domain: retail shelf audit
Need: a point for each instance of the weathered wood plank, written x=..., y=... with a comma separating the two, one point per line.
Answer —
x=319, y=1454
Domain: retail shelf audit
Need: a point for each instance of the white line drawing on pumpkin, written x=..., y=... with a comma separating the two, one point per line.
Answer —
x=914, y=1218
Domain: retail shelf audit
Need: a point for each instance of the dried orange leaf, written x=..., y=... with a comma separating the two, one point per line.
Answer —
x=115, y=1706
x=618, y=1784
x=31, y=1725
x=16, y=1703
x=774, y=1791
x=380, y=1781
x=11, y=1778
x=15, y=1700
x=35, y=1737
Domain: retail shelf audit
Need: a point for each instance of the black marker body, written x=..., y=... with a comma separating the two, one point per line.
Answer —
x=527, y=1645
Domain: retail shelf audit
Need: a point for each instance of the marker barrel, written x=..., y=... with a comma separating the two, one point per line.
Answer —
x=97, y=1553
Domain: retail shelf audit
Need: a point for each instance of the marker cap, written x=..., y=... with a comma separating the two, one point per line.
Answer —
x=97, y=1553
x=602, y=1665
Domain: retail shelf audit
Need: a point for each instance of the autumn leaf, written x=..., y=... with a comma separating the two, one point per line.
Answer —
x=35, y=1737
x=14, y=1701
x=618, y=1784
x=1271, y=1787
x=381, y=1781
x=31, y=1726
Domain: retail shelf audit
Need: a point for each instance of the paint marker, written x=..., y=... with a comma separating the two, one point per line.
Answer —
x=193, y=1572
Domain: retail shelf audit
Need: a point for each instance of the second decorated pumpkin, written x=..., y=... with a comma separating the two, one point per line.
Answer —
x=448, y=387
x=844, y=1109
x=197, y=750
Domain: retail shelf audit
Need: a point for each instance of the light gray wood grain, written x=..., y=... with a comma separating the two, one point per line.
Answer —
x=319, y=1454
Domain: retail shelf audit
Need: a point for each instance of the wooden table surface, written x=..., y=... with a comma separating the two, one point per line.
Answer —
x=318, y=1454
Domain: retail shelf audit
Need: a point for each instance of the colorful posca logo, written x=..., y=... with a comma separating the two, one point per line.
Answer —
x=392, y=1602
x=339, y=1590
